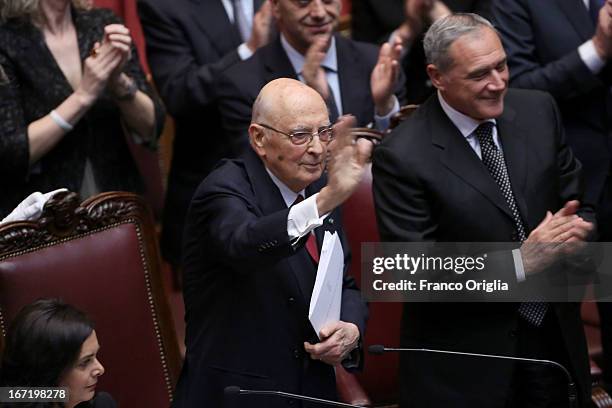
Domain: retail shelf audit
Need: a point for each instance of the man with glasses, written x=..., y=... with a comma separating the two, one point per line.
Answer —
x=354, y=78
x=252, y=240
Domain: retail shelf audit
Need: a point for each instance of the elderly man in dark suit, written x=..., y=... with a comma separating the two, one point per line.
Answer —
x=254, y=231
x=480, y=163
x=564, y=47
x=188, y=43
x=353, y=78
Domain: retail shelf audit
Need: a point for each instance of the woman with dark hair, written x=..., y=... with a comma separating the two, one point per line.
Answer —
x=52, y=344
x=71, y=88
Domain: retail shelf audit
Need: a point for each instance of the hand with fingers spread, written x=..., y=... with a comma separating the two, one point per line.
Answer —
x=346, y=163
x=312, y=71
x=383, y=79
x=338, y=339
x=262, y=27
x=555, y=236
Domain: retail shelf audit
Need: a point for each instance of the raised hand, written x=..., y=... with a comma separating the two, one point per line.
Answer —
x=602, y=40
x=348, y=158
x=384, y=77
x=312, y=71
x=97, y=70
x=262, y=25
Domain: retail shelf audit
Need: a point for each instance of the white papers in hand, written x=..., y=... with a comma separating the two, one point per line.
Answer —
x=327, y=292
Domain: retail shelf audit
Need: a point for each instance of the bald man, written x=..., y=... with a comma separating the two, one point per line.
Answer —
x=253, y=233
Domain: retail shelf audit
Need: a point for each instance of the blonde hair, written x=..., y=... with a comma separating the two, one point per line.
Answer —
x=30, y=9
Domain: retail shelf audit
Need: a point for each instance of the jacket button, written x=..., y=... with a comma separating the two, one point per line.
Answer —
x=514, y=236
x=512, y=333
x=330, y=220
x=291, y=300
x=296, y=354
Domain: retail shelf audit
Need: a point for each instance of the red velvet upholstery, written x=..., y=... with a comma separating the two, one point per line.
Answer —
x=102, y=258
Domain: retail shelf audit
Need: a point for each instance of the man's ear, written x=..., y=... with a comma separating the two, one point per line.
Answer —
x=436, y=76
x=256, y=138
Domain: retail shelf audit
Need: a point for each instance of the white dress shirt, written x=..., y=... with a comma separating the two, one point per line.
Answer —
x=304, y=216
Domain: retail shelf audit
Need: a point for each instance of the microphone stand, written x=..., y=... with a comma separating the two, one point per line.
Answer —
x=571, y=386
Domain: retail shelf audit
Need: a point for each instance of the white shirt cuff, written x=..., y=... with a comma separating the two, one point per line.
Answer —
x=244, y=51
x=303, y=218
x=518, y=265
x=382, y=122
x=590, y=57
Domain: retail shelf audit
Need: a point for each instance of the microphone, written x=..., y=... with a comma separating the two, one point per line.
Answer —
x=233, y=391
x=379, y=349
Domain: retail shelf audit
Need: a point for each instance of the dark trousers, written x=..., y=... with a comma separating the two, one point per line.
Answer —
x=536, y=385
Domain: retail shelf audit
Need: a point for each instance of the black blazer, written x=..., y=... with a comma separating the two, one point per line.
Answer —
x=542, y=40
x=188, y=43
x=429, y=185
x=247, y=292
x=31, y=85
x=240, y=84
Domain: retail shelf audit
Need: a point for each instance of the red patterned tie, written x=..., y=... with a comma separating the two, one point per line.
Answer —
x=311, y=243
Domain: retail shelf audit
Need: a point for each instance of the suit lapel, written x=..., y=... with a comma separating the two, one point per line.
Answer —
x=211, y=17
x=351, y=76
x=270, y=200
x=277, y=62
x=578, y=16
x=514, y=144
x=458, y=156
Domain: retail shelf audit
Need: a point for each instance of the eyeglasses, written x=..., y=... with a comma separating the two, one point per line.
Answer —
x=300, y=137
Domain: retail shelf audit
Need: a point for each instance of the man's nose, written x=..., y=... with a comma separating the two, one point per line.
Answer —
x=316, y=146
x=497, y=82
x=317, y=9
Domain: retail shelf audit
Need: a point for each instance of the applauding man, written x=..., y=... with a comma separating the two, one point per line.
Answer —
x=353, y=78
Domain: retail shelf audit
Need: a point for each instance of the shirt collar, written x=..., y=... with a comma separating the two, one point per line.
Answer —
x=464, y=123
x=297, y=60
x=288, y=195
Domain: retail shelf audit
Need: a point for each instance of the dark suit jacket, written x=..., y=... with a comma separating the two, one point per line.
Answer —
x=188, y=43
x=31, y=85
x=240, y=84
x=247, y=292
x=429, y=185
x=374, y=21
x=542, y=40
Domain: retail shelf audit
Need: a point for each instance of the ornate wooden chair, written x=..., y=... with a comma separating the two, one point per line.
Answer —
x=100, y=256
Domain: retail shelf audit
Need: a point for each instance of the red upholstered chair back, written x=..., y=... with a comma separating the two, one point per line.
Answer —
x=100, y=256
x=380, y=375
